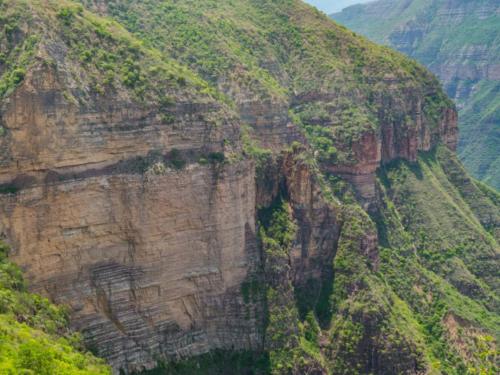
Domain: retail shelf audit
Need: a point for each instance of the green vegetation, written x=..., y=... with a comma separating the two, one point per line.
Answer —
x=216, y=363
x=16, y=53
x=101, y=53
x=8, y=189
x=180, y=28
x=293, y=345
x=423, y=299
x=175, y=159
x=480, y=137
x=367, y=313
x=34, y=338
x=440, y=259
x=438, y=217
x=427, y=304
x=446, y=46
x=112, y=58
x=279, y=52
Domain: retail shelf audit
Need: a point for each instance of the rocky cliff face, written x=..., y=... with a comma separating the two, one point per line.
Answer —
x=152, y=267
x=150, y=259
x=473, y=61
x=179, y=208
x=68, y=138
x=458, y=41
x=404, y=131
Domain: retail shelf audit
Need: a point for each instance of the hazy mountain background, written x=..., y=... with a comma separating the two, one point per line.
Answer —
x=459, y=41
x=332, y=6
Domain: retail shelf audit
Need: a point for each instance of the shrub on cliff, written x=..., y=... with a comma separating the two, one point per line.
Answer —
x=34, y=337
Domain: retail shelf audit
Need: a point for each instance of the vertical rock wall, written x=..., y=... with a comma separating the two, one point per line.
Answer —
x=149, y=265
x=149, y=259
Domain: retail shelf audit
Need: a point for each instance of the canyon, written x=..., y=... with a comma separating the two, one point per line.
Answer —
x=184, y=198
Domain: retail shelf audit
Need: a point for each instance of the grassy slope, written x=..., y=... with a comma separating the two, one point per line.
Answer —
x=34, y=337
x=441, y=218
x=281, y=43
x=390, y=13
x=432, y=305
x=439, y=232
x=480, y=133
x=280, y=51
x=16, y=49
x=100, y=52
x=480, y=106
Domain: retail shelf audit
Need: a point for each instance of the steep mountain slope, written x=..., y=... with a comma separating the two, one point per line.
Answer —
x=460, y=42
x=270, y=60
x=221, y=186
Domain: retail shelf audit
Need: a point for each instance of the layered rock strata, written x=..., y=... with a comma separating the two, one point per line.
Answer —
x=143, y=221
x=153, y=266
x=149, y=259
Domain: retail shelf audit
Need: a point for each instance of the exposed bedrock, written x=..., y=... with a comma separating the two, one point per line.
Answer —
x=47, y=130
x=319, y=222
x=151, y=259
x=458, y=41
x=148, y=264
x=396, y=139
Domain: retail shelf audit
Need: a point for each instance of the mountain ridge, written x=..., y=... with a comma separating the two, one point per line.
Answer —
x=458, y=41
x=222, y=185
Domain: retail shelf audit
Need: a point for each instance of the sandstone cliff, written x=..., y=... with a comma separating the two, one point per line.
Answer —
x=184, y=198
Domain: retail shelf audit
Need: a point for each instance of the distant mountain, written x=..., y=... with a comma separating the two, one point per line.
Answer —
x=459, y=41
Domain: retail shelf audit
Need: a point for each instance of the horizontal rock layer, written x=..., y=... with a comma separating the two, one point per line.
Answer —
x=149, y=265
x=150, y=256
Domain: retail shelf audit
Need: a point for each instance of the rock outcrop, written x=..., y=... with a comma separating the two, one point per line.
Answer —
x=141, y=202
x=149, y=259
x=153, y=266
x=397, y=139
x=458, y=41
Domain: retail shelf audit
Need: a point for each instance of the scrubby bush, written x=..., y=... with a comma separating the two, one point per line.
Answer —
x=216, y=157
x=67, y=13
